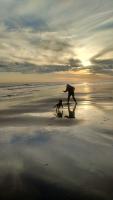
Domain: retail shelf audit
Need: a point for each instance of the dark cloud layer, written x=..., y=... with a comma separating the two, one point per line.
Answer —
x=32, y=68
x=101, y=60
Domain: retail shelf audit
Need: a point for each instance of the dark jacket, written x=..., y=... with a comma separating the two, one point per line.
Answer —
x=70, y=89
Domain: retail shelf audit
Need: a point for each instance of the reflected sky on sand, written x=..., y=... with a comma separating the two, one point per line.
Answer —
x=43, y=156
x=56, y=161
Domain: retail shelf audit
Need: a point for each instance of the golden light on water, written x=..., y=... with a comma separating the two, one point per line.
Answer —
x=87, y=91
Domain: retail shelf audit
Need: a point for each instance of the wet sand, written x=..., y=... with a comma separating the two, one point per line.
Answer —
x=48, y=155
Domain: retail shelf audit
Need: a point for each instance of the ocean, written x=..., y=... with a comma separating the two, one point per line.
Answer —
x=25, y=92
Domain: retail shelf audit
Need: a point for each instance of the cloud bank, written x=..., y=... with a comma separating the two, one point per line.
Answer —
x=50, y=35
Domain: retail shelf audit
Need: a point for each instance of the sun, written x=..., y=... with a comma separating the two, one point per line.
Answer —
x=85, y=55
x=85, y=63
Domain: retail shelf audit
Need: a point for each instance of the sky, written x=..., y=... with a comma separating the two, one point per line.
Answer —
x=55, y=35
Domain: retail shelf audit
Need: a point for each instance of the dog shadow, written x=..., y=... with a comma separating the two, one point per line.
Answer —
x=71, y=112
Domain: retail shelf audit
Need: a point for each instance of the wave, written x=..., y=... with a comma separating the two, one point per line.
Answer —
x=83, y=91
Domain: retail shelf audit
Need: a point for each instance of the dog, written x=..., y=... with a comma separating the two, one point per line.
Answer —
x=59, y=104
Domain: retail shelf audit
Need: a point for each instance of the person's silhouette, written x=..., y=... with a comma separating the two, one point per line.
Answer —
x=71, y=113
x=70, y=89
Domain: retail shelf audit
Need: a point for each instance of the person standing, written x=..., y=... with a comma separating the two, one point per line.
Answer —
x=70, y=89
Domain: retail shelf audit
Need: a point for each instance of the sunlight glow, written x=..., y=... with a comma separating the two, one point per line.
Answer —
x=84, y=54
x=86, y=62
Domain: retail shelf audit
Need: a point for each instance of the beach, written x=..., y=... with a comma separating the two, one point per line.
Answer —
x=56, y=99
x=46, y=154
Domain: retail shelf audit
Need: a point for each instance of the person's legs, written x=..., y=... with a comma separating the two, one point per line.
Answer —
x=68, y=98
x=74, y=98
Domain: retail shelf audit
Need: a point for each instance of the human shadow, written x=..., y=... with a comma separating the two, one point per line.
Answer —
x=71, y=112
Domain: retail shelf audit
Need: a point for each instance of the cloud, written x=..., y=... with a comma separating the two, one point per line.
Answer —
x=102, y=62
x=26, y=22
x=38, y=47
x=100, y=58
x=75, y=62
x=52, y=32
x=32, y=68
